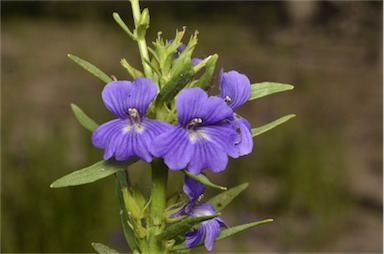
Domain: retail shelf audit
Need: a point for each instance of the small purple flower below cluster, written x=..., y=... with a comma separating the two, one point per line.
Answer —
x=209, y=229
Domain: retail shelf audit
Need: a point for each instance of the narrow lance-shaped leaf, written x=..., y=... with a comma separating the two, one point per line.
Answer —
x=204, y=180
x=183, y=226
x=92, y=173
x=182, y=75
x=271, y=125
x=101, y=248
x=132, y=71
x=262, y=89
x=91, y=68
x=223, y=199
x=121, y=23
x=225, y=233
x=83, y=119
x=128, y=231
x=130, y=209
x=204, y=81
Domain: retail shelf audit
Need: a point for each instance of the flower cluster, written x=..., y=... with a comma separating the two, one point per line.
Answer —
x=207, y=130
x=204, y=134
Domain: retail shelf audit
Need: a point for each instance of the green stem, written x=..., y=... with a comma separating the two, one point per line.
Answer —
x=141, y=42
x=158, y=204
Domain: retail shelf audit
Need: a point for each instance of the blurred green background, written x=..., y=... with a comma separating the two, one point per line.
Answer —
x=319, y=176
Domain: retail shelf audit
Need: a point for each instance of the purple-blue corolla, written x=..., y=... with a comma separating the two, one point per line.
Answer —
x=209, y=229
x=203, y=138
x=131, y=134
x=235, y=89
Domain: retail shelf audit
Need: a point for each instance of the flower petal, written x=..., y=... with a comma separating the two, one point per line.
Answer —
x=108, y=136
x=193, y=188
x=211, y=227
x=154, y=128
x=206, y=154
x=196, y=61
x=119, y=96
x=244, y=145
x=174, y=147
x=194, y=237
x=123, y=140
x=181, y=48
x=212, y=231
x=224, y=135
x=194, y=103
x=215, y=111
x=221, y=222
x=188, y=104
x=236, y=86
x=202, y=209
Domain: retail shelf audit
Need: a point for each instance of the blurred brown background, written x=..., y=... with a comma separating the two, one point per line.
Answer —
x=319, y=176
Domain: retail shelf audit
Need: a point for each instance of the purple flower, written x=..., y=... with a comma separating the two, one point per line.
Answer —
x=194, y=191
x=132, y=133
x=210, y=229
x=203, y=137
x=235, y=89
x=180, y=49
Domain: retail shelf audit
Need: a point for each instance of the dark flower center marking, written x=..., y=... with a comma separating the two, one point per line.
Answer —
x=135, y=118
x=194, y=133
x=134, y=115
x=194, y=123
x=227, y=99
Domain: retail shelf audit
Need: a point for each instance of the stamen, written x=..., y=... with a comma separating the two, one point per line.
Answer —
x=227, y=99
x=134, y=114
x=194, y=122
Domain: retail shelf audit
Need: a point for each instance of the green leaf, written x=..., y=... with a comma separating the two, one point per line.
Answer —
x=101, y=248
x=132, y=71
x=121, y=23
x=182, y=73
x=203, y=180
x=128, y=231
x=138, y=196
x=84, y=120
x=91, y=68
x=204, y=81
x=92, y=173
x=183, y=226
x=223, y=199
x=131, y=205
x=271, y=125
x=262, y=89
x=225, y=233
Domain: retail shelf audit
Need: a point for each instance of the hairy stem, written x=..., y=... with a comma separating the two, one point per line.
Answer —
x=158, y=203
